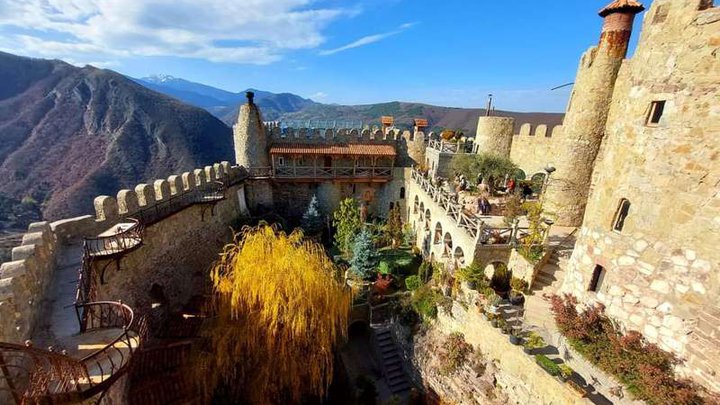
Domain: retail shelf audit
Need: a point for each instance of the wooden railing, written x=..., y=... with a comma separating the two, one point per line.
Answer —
x=448, y=147
x=207, y=193
x=318, y=172
x=447, y=202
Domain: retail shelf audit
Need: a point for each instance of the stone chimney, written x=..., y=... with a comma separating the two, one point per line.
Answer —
x=251, y=145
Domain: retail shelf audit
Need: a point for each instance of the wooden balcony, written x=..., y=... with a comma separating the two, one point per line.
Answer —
x=344, y=174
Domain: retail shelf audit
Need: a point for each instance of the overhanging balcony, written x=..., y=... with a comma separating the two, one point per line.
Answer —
x=346, y=174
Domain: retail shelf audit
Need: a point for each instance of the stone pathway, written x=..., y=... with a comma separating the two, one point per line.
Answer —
x=393, y=371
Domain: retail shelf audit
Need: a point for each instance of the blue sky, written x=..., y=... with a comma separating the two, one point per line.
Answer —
x=451, y=52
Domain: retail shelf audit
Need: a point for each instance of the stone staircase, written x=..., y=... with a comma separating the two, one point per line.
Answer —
x=547, y=282
x=391, y=361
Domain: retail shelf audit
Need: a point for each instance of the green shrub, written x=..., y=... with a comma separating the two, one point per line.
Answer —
x=565, y=370
x=425, y=272
x=501, y=278
x=474, y=274
x=534, y=341
x=518, y=284
x=424, y=301
x=413, y=283
x=386, y=268
x=547, y=364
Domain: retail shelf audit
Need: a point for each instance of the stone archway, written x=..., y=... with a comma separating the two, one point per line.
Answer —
x=447, y=245
x=459, y=257
x=438, y=233
x=492, y=266
x=416, y=204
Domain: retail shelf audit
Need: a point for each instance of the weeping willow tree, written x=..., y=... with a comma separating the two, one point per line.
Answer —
x=280, y=310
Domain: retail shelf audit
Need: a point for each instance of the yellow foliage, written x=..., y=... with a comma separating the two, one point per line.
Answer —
x=281, y=310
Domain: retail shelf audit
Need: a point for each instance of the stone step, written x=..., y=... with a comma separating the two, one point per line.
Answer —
x=396, y=389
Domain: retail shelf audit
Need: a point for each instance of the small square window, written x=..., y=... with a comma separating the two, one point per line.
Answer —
x=621, y=215
x=597, y=279
x=657, y=108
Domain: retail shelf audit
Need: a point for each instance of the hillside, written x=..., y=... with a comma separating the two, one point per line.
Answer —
x=285, y=106
x=68, y=134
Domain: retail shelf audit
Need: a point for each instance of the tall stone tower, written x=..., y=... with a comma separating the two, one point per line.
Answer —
x=587, y=113
x=251, y=149
x=494, y=135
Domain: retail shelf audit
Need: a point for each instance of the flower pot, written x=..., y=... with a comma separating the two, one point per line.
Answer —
x=517, y=298
x=515, y=340
x=502, y=294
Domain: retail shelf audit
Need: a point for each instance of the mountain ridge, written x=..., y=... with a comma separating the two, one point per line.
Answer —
x=288, y=106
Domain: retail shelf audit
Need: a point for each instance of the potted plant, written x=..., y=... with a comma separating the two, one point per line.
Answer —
x=533, y=342
x=494, y=320
x=500, y=281
x=518, y=285
x=474, y=276
x=515, y=338
x=494, y=305
x=565, y=372
x=548, y=365
x=503, y=325
x=577, y=388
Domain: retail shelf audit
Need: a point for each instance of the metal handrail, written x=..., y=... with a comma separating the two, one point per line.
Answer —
x=102, y=246
x=42, y=376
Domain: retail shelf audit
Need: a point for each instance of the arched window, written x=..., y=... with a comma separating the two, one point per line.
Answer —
x=438, y=233
x=621, y=215
x=402, y=193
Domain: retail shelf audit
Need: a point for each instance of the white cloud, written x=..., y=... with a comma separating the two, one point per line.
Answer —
x=367, y=40
x=248, y=31
x=319, y=96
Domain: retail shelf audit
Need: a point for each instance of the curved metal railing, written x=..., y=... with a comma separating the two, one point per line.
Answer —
x=128, y=236
x=34, y=375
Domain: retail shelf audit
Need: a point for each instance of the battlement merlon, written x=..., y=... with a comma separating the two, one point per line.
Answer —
x=338, y=135
x=143, y=196
x=541, y=131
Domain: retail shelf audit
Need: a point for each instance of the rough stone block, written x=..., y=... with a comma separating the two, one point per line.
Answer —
x=176, y=184
x=200, y=178
x=145, y=194
x=127, y=202
x=35, y=238
x=660, y=286
x=162, y=190
x=23, y=252
x=106, y=208
x=13, y=269
x=188, y=180
x=210, y=174
x=43, y=226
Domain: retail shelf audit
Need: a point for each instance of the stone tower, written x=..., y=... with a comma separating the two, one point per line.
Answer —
x=494, y=135
x=251, y=148
x=587, y=113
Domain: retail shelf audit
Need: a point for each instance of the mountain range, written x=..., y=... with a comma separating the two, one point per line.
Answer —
x=68, y=134
x=286, y=106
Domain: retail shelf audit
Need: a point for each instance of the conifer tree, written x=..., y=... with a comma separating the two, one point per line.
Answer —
x=312, y=222
x=346, y=220
x=365, y=258
x=393, y=229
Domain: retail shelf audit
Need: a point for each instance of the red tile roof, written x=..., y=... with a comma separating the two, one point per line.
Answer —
x=421, y=122
x=351, y=149
x=387, y=120
x=622, y=5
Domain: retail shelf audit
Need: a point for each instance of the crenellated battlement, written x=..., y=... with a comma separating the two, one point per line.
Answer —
x=540, y=131
x=340, y=135
x=146, y=195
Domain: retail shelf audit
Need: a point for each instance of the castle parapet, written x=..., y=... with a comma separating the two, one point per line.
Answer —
x=540, y=131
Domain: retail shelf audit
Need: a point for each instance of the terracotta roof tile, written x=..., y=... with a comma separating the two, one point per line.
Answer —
x=350, y=149
x=387, y=120
x=421, y=122
x=622, y=5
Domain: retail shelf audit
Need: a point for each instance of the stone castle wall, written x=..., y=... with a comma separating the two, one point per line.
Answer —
x=661, y=276
x=532, y=150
